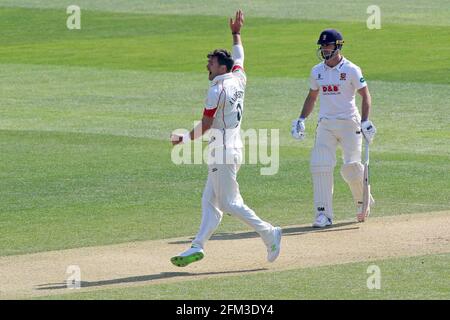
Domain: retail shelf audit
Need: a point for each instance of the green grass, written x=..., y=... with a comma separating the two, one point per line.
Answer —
x=407, y=278
x=154, y=42
x=151, y=105
x=86, y=159
x=420, y=12
x=68, y=190
x=86, y=116
x=65, y=190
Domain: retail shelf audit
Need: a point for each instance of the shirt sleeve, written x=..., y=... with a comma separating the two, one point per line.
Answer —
x=212, y=101
x=312, y=81
x=238, y=68
x=358, y=80
x=238, y=55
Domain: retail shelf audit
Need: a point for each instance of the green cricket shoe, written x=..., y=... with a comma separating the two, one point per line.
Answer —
x=193, y=254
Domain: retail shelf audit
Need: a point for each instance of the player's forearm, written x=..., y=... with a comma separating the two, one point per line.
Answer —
x=237, y=39
x=366, y=103
x=308, y=107
x=201, y=128
x=235, y=28
x=365, y=107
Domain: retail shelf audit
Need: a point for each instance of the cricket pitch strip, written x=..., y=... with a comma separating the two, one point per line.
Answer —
x=148, y=262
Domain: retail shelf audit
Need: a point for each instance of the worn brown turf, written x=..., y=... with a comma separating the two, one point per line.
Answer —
x=148, y=262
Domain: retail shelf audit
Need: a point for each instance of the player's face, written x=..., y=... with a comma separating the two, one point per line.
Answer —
x=214, y=68
x=327, y=49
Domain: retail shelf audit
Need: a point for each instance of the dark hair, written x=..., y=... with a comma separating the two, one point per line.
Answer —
x=223, y=58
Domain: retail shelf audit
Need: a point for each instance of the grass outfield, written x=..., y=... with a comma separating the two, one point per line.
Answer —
x=79, y=143
x=153, y=42
x=421, y=12
x=85, y=118
x=81, y=169
x=406, y=278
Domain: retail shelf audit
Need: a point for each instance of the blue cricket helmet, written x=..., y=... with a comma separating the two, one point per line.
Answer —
x=330, y=36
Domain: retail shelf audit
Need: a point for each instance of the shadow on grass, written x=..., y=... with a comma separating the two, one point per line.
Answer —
x=341, y=226
x=151, y=277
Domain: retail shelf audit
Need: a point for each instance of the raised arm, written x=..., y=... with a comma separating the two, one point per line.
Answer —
x=235, y=27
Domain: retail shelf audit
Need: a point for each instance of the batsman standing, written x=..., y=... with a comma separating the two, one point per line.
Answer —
x=222, y=115
x=336, y=80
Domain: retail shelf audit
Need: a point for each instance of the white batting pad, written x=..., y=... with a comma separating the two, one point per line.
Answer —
x=353, y=174
x=323, y=193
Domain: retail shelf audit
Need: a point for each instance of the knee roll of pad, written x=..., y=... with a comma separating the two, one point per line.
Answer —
x=352, y=172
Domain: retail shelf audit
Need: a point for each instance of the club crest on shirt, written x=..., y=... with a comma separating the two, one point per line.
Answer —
x=343, y=76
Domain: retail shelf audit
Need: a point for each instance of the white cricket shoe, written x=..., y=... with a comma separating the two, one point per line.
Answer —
x=273, y=250
x=322, y=221
x=192, y=254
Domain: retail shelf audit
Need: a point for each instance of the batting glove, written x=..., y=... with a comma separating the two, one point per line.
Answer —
x=298, y=129
x=368, y=130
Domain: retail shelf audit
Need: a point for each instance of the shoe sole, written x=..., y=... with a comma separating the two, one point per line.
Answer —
x=324, y=226
x=180, y=261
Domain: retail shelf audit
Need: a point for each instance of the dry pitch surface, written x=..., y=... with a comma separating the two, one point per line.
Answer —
x=147, y=262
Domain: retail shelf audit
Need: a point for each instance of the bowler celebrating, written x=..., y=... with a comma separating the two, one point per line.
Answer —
x=223, y=115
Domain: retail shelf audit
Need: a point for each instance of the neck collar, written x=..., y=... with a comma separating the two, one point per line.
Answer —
x=338, y=66
x=222, y=77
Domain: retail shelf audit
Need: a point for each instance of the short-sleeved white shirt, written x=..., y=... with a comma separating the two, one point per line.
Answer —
x=337, y=87
x=225, y=101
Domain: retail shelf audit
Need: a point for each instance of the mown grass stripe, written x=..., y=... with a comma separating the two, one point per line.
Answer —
x=180, y=43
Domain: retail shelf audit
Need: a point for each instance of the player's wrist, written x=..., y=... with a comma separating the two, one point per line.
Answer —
x=366, y=123
x=236, y=33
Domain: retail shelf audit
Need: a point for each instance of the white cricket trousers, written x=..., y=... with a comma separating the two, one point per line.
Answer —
x=221, y=194
x=330, y=134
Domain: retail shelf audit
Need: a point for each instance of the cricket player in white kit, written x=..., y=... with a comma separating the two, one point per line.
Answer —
x=336, y=80
x=222, y=116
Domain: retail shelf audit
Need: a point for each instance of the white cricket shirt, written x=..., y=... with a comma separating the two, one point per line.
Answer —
x=225, y=101
x=337, y=87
